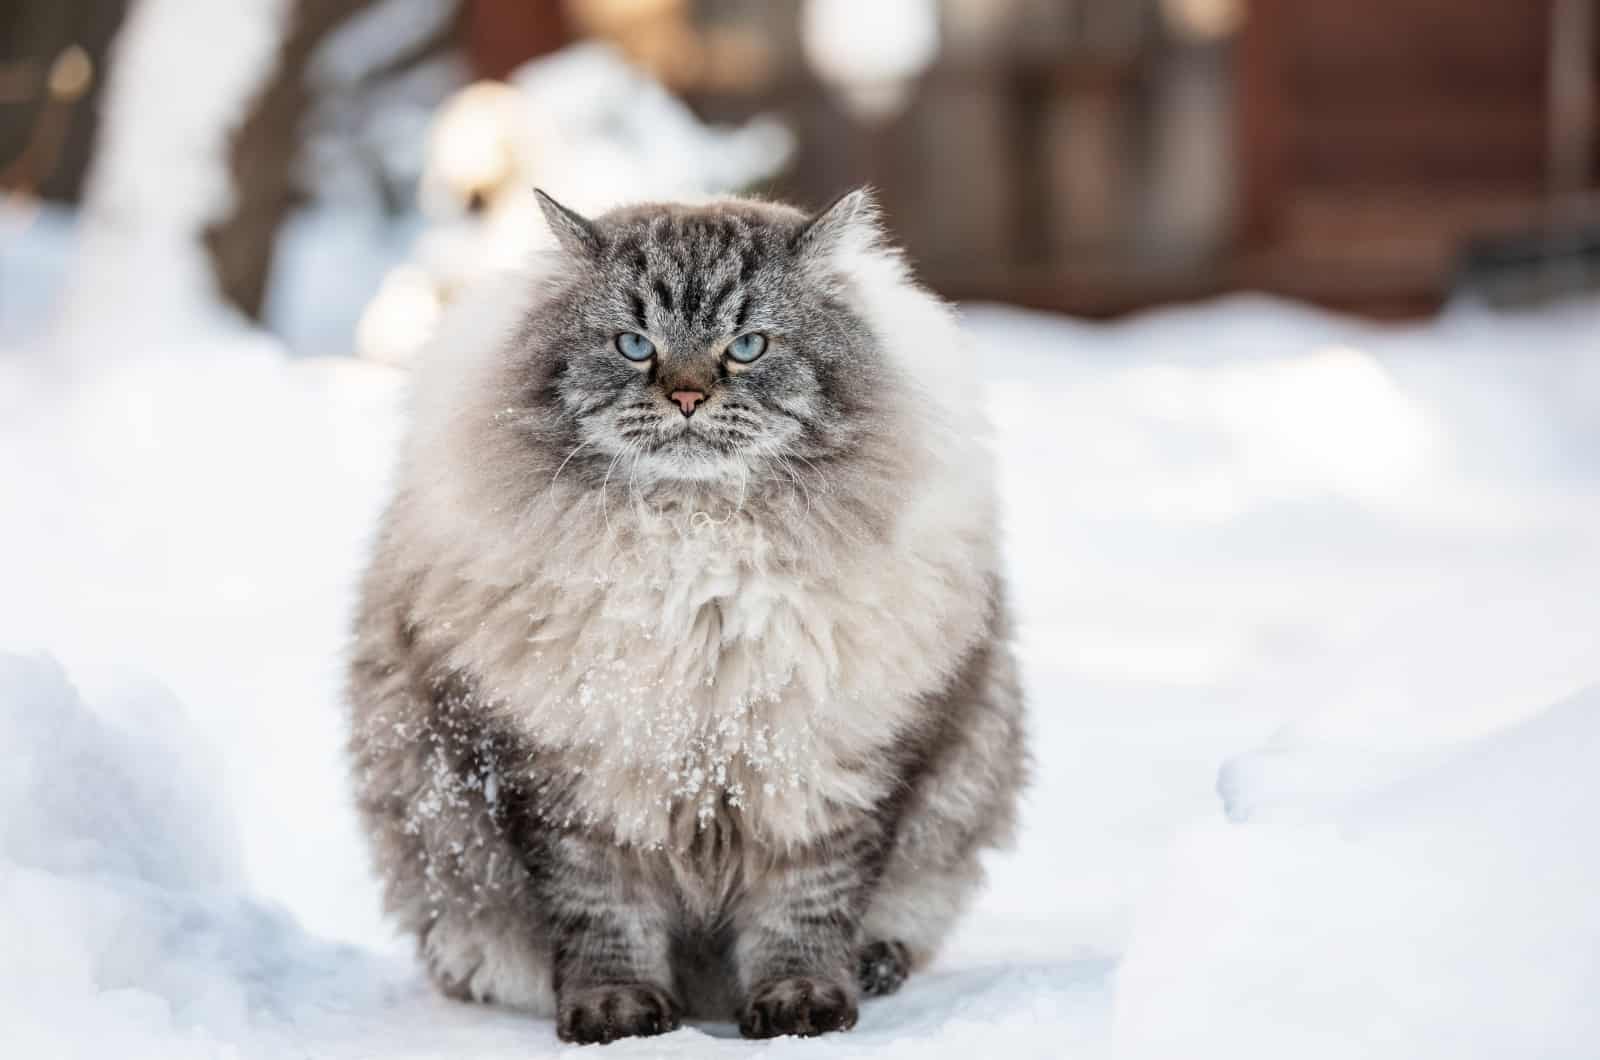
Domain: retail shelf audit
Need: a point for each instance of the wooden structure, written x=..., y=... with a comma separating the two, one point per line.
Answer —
x=1358, y=144
x=1378, y=135
x=1081, y=155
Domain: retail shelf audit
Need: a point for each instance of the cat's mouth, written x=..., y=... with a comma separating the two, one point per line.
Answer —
x=707, y=438
x=715, y=442
x=707, y=427
x=696, y=448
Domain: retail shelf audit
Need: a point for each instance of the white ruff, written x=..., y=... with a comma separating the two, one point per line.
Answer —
x=751, y=661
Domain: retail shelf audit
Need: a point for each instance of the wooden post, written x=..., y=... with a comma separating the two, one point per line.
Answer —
x=1260, y=108
x=1572, y=102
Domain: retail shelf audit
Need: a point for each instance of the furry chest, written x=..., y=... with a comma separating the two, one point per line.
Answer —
x=676, y=689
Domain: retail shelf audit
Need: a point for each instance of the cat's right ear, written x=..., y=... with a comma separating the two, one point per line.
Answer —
x=575, y=232
x=850, y=221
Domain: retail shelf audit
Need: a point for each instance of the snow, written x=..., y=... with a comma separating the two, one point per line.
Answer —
x=1448, y=913
x=1295, y=597
x=580, y=123
x=156, y=181
x=362, y=147
x=870, y=53
x=1309, y=618
x=125, y=929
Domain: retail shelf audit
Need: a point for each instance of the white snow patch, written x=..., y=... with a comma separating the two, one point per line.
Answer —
x=1449, y=914
x=182, y=75
x=1214, y=590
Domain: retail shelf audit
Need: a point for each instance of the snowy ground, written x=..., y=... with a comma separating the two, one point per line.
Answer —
x=1297, y=600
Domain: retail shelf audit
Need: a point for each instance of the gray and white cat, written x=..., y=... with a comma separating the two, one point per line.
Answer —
x=681, y=682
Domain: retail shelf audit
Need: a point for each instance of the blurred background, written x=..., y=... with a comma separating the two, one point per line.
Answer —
x=1271, y=563
x=1088, y=156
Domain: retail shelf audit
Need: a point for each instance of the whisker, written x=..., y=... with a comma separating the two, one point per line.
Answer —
x=821, y=478
x=605, y=510
x=798, y=481
x=633, y=489
x=563, y=465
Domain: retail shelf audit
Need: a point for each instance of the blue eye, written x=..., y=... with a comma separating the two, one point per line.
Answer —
x=747, y=347
x=635, y=347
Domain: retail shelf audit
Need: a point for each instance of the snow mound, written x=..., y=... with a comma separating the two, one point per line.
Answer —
x=1445, y=913
x=123, y=925
x=83, y=795
x=1449, y=912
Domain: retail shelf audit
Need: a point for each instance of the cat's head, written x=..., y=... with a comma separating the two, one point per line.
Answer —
x=701, y=343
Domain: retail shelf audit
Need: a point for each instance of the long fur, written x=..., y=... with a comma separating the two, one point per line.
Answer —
x=706, y=724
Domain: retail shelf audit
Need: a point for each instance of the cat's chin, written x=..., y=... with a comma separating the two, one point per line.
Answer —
x=685, y=461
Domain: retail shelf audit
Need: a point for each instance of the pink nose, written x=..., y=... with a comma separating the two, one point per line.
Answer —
x=688, y=400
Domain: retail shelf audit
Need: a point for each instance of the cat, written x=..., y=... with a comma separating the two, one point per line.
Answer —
x=681, y=679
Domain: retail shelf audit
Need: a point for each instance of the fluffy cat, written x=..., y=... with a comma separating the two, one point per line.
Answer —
x=681, y=683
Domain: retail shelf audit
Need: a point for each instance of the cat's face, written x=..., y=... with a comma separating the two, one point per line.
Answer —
x=701, y=343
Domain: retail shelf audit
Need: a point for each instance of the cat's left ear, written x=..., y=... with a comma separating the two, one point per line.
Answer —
x=851, y=222
x=575, y=232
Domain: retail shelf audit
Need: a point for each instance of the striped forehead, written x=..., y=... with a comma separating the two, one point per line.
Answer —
x=694, y=268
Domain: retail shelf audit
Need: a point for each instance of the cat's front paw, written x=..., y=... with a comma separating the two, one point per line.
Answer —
x=610, y=1011
x=883, y=967
x=800, y=1005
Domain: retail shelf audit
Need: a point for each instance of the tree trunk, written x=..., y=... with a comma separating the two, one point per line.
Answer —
x=263, y=154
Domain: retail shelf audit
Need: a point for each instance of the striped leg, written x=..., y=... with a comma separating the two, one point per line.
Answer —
x=798, y=945
x=611, y=942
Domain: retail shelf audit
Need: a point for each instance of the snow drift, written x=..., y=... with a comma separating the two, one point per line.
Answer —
x=1450, y=913
x=1298, y=791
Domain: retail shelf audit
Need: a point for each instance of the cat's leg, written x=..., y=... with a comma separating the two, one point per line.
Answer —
x=964, y=780
x=611, y=930
x=432, y=788
x=493, y=955
x=799, y=933
x=911, y=913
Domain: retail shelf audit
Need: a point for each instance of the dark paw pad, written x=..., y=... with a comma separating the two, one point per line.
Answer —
x=797, y=1005
x=614, y=1010
x=884, y=966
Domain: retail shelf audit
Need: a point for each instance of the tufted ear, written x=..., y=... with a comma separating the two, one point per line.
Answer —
x=575, y=232
x=852, y=220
